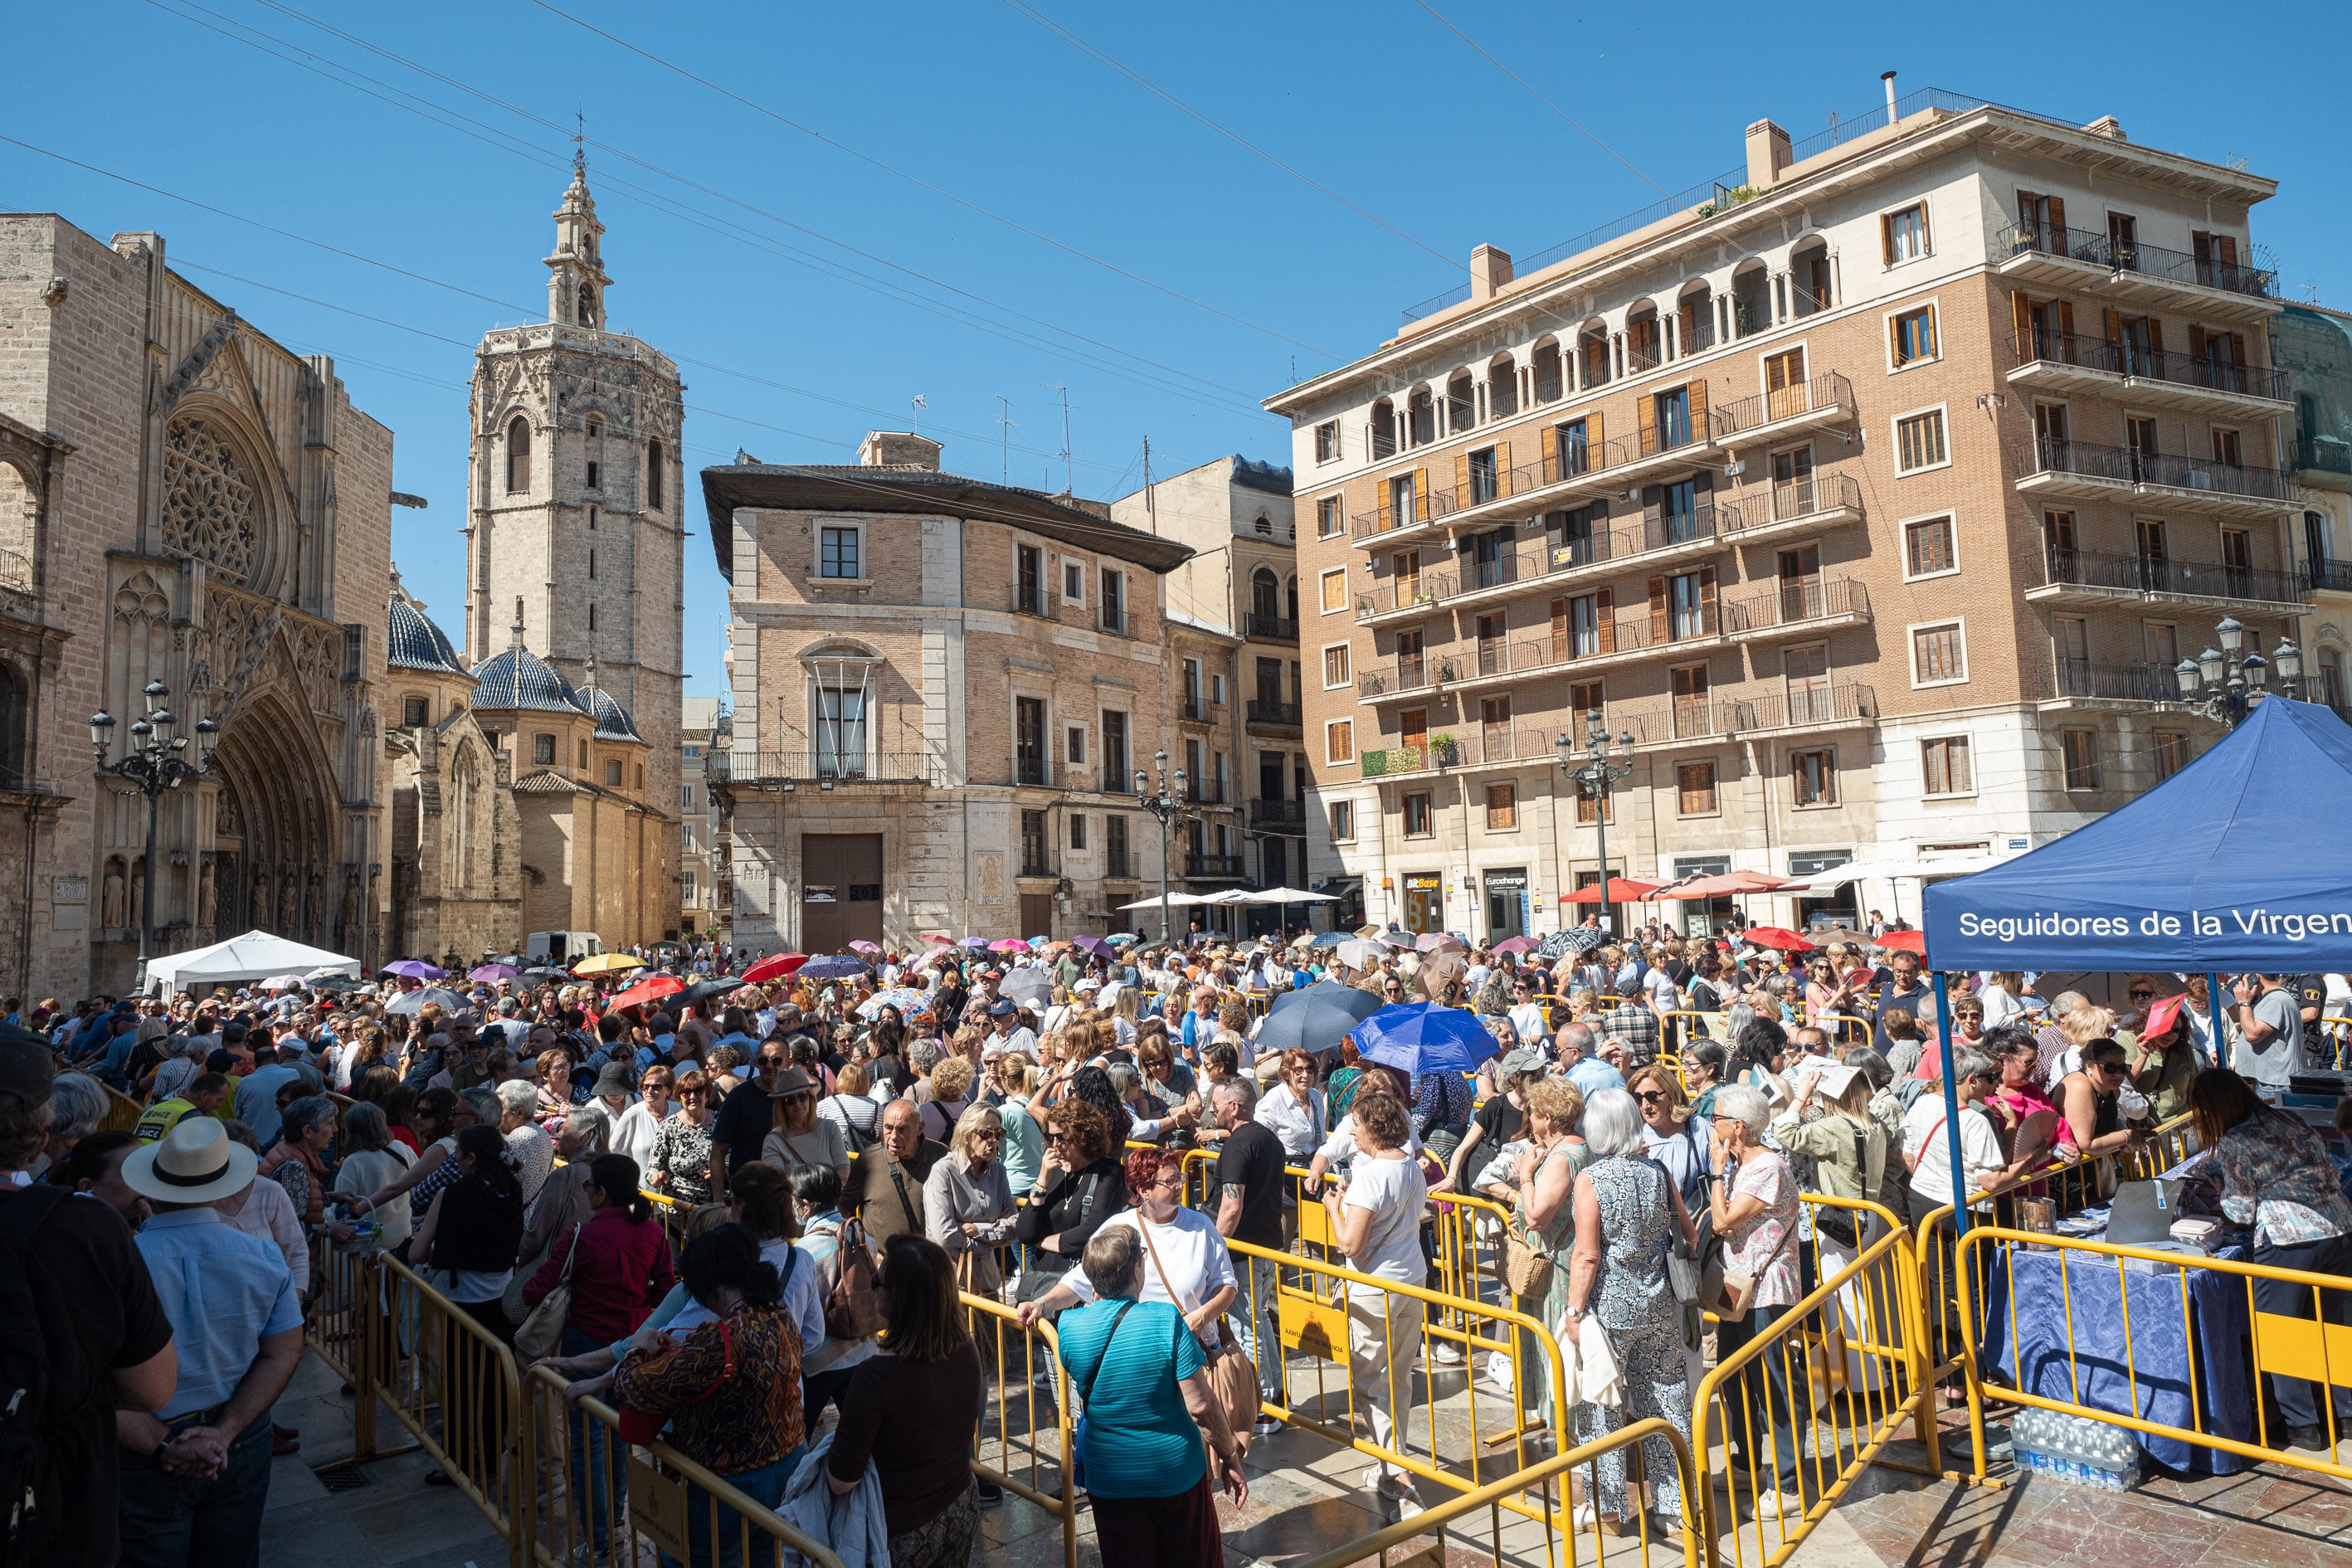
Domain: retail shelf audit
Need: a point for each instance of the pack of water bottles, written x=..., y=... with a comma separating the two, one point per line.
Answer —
x=2076, y=1449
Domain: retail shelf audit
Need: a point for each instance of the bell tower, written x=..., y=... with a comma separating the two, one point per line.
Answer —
x=578, y=506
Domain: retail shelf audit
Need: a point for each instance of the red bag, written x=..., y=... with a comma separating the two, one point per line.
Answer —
x=640, y=1428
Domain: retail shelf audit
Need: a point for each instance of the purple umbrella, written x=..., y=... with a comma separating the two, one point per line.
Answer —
x=974, y=941
x=492, y=972
x=862, y=945
x=1095, y=945
x=413, y=969
x=833, y=966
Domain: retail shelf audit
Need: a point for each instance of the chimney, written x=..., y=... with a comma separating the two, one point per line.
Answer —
x=1888, y=78
x=1767, y=154
x=1489, y=269
x=898, y=449
x=2107, y=125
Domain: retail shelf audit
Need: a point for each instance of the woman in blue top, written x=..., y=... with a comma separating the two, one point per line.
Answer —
x=1144, y=1384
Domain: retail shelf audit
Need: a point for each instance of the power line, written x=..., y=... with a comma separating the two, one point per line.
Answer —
x=504, y=142
x=1531, y=92
x=915, y=180
x=1234, y=136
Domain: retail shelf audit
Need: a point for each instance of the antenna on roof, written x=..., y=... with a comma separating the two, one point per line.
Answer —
x=921, y=403
x=1004, y=447
x=1069, y=485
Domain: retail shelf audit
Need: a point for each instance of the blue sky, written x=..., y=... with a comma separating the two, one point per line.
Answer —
x=1167, y=276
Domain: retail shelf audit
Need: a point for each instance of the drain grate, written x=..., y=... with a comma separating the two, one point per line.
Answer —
x=343, y=1479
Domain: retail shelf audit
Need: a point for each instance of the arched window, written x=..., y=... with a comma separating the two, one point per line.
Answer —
x=1265, y=593
x=587, y=306
x=654, y=475
x=519, y=457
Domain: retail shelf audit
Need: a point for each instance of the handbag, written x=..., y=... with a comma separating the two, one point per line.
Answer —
x=541, y=1334
x=1839, y=1224
x=1526, y=1270
x=1729, y=1292
x=1233, y=1375
x=640, y=1428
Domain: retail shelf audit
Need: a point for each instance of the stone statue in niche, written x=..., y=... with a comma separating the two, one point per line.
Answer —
x=260, y=901
x=112, y=911
x=290, y=904
x=316, y=926
x=138, y=891
x=206, y=891
x=351, y=923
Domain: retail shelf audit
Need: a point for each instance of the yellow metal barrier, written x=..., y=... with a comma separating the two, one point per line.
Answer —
x=450, y=1379
x=2284, y=1344
x=1033, y=1434
x=1802, y=1405
x=1554, y=1545
x=642, y=1500
x=123, y=1112
x=1845, y=1029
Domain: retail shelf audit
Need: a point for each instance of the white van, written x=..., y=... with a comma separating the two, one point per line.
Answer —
x=561, y=949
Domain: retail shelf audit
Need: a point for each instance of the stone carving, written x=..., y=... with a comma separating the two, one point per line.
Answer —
x=350, y=921
x=197, y=362
x=209, y=501
x=317, y=923
x=260, y=915
x=206, y=892
x=138, y=891
x=290, y=904
x=111, y=908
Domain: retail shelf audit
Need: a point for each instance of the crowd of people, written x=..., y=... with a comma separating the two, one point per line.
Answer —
x=849, y=1155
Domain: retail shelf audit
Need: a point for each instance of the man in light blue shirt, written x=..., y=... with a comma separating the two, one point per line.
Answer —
x=195, y=1480
x=257, y=1094
x=1580, y=1066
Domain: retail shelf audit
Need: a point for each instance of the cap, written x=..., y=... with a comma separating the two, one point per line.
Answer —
x=1519, y=1063
x=28, y=1067
x=1003, y=1006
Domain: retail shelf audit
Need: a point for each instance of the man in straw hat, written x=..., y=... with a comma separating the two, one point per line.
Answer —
x=195, y=1480
x=88, y=1341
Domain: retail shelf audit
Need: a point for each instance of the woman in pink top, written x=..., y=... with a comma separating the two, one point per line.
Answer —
x=2019, y=1095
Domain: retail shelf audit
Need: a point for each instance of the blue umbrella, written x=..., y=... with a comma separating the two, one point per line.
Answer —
x=1328, y=939
x=1422, y=1037
x=833, y=966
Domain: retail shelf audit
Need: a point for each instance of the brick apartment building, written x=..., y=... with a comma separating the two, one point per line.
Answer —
x=1872, y=492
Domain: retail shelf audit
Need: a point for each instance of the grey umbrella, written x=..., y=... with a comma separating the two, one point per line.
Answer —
x=1314, y=1026
x=1034, y=986
x=414, y=1001
x=1347, y=999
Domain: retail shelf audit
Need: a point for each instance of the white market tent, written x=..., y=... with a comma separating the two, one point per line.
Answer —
x=256, y=955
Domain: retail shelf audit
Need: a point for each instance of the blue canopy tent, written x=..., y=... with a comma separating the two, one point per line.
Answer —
x=2226, y=866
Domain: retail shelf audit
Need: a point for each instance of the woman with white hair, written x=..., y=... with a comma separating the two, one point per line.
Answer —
x=1754, y=1203
x=77, y=1103
x=968, y=1200
x=1627, y=1216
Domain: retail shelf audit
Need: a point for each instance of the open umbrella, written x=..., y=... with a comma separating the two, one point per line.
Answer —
x=862, y=945
x=546, y=972
x=1096, y=945
x=413, y=969
x=281, y=983
x=1009, y=944
x=1904, y=941
x=719, y=986
x=1034, y=986
x=493, y=973
x=1316, y=1028
x=972, y=941
x=942, y=941
x=1516, y=944
x=832, y=966
x=652, y=988
x=774, y=967
x=1438, y=942
x=608, y=963
x=1323, y=939
x=1621, y=890
x=1357, y=953
x=1422, y=1037
x=1777, y=938
x=415, y=1001
x=908, y=1000
x=1570, y=940
x=1119, y=937
x=1348, y=999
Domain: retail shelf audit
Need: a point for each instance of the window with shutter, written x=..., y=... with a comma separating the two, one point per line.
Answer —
x=1659, y=632
x=1695, y=789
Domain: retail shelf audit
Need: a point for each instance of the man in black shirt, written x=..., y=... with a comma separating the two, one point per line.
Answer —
x=1250, y=1184
x=746, y=1116
x=2310, y=1001
x=103, y=1335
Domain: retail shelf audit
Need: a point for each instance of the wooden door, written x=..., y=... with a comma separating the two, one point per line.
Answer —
x=841, y=891
x=1784, y=384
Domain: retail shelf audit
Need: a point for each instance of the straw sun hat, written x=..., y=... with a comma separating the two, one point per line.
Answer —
x=196, y=1163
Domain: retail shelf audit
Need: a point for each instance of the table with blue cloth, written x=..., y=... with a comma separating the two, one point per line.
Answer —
x=2103, y=1372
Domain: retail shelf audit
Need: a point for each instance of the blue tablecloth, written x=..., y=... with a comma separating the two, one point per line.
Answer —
x=2099, y=1376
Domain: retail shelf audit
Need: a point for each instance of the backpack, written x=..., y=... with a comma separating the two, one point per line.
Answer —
x=853, y=1309
x=43, y=1384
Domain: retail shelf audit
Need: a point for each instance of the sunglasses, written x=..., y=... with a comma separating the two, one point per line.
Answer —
x=1651, y=1096
x=767, y=1063
x=2143, y=995
x=1966, y=1017
x=1057, y=1138
x=2107, y=1066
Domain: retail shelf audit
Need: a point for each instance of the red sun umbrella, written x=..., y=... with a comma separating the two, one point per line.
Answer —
x=1008, y=944
x=1621, y=890
x=1904, y=941
x=652, y=988
x=1777, y=938
x=1516, y=944
x=942, y=941
x=1730, y=884
x=776, y=968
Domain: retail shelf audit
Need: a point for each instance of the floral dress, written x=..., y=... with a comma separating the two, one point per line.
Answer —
x=1557, y=1241
x=682, y=1150
x=1632, y=1303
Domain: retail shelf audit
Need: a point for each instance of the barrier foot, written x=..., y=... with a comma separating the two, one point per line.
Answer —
x=332, y=1466
x=1513, y=1434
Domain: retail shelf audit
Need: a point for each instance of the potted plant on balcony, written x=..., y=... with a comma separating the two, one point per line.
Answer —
x=1441, y=752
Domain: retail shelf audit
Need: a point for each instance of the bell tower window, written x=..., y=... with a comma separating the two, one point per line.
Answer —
x=519, y=457
x=654, y=475
x=587, y=306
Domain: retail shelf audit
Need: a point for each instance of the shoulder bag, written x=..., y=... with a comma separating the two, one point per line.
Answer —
x=1232, y=1376
x=1843, y=1225
x=1527, y=1266
x=1729, y=1292
x=541, y=1334
x=639, y=1428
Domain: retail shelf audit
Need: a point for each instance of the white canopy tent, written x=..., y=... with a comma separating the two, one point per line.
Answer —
x=256, y=955
x=1288, y=896
x=1175, y=901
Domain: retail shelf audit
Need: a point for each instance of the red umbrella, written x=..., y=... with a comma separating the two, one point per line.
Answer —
x=1776, y=938
x=775, y=968
x=1621, y=890
x=1904, y=941
x=1730, y=884
x=652, y=988
x=942, y=941
x=1516, y=944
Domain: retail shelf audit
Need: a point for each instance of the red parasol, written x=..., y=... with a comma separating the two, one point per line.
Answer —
x=1621, y=890
x=1776, y=938
x=775, y=968
x=652, y=988
x=1904, y=941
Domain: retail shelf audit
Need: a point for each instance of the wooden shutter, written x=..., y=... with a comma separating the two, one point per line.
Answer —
x=1887, y=240
x=1461, y=480
x=2156, y=334
x=1560, y=631
x=2058, y=222
x=2115, y=322
x=1592, y=439
x=1698, y=409
x=2066, y=317
x=2196, y=341
x=2236, y=350
x=1654, y=500
x=1706, y=603
x=1657, y=611
x=2021, y=315
x=1419, y=497
x=1502, y=467
x=1604, y=618
x=1646, y=411
x=2225, y=249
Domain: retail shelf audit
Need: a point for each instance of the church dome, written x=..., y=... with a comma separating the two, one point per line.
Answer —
x=613, y=720
x=519, y=678
x=413, y=642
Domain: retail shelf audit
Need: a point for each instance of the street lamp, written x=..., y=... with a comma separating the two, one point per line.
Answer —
x=1169, y=807
x=1601, y=768
x=2223, y=687
x=152, y=761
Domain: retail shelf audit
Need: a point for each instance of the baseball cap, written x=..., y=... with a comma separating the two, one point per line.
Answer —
x=1003, y=1006
x=1518, y=1063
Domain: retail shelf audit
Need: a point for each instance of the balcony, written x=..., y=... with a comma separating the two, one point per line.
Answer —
x=2063, y=362
x=1807, y=506
x=2082, y=471
x=1193, y=708
x=1408, y=675
x=1281, y=715
x=1797, y=609
x=1279, y=815
x=1213, y=867
x=1270, y=628
x=2324, y=460
x=772, y=770
x=1842, y=706
x=2328, y=576
x=1826, y=400
x=2085, y=579
x=2080, y=683
x=1563, y=474
x=2127, y=270
x=1405, y=596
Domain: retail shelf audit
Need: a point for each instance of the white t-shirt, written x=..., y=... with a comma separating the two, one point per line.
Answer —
x=1661, y=987
x=1528, y=1018
x=1395, y=1192
x=1191, y=1252
x=1341, y=1144
x=803, y=1297
x=1931, y=1173
x=632, y=1132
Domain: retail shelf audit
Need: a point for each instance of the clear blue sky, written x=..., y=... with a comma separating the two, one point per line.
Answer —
x=794, y=344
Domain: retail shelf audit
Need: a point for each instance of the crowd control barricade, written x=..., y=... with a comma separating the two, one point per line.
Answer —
x=1845, y=1029
x=122, y=1111
x=452, y=1383
x=1027, y=1441
x=1801, y=1409
x=1539, y=1540
x=2183, y=1387
x=606, y=1504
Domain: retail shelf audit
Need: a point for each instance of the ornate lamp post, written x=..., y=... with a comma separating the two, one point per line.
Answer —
x=1601, y=768
x=2223, y=687
x=1169, y=807
x=152, y=760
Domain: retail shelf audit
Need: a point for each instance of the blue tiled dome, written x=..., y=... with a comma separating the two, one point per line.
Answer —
x=414, y=642
x=519, y=678
x=613, y=720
